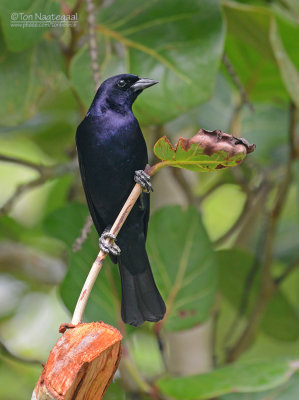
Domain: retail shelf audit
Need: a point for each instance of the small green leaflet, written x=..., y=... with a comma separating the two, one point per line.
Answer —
x=206, y=151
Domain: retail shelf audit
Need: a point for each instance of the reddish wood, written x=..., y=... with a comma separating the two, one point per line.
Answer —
x=81, y=365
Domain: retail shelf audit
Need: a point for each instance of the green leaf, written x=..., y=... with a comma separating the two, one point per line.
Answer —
x=288, y=32
x=249, y=50
x=241, y=378
x=289, y=72
x=58, y=193
x=249, y=23
x=288, y=391
x=17, y=379
x=115, y=391
x=25, y=77
x=21, y=38
x=205, y=152
x=254, y=44
x=184, y=266
x=144, y=350
x=280, y=320
x=260, y=76
x=184, y=57
x=221, y=208
x=268, y=128
x=66, y=224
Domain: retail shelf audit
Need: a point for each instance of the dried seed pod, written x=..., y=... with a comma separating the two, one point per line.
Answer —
x=206, y=151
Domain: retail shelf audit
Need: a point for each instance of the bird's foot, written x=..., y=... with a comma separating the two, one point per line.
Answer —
x=144, y=181
x=107, y=247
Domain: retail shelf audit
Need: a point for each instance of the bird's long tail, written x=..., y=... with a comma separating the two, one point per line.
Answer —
x=141, y=300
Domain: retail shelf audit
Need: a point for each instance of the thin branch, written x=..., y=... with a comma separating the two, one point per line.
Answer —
x=268, y=284
x=247, y=286
x=83, y=236
x=9, y=354
x=184, y=185
x=136, y=376
x=236, y=225
x=290, y=268
x=24, y=163
x=97, y=265
x=76, y=6
x=211, y=190
x=33, y=266
x=20, y=190
x=237, y=82
x=45, y=173
x=93, y=49
x=294, y=149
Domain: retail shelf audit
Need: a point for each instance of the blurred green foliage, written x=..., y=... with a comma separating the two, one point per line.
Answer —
x=224, y=248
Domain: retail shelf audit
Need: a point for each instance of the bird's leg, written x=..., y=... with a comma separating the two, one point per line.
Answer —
x=144, y=181
x=108, y=247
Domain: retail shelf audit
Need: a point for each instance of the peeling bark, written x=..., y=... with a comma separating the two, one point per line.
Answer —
x=81, y=365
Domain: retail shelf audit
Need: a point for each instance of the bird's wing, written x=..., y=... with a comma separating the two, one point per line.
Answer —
x=99, y=223
x=97, y=220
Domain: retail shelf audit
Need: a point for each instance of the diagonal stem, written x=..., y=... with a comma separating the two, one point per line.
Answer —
x=98, y=263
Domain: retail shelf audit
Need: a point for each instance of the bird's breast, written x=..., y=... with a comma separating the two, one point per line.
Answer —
x=112, y=152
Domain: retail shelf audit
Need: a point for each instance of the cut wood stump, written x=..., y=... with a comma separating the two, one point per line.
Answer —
x=81, y=365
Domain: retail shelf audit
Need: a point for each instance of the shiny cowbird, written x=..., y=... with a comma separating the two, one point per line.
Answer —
x=112, y=156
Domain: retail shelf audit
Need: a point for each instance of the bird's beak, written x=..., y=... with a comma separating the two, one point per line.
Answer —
x=143, y=83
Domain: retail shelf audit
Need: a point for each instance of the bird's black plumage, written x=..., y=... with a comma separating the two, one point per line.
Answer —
x=111, y=148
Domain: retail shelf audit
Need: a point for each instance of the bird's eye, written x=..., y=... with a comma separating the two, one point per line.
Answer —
x=121, y=83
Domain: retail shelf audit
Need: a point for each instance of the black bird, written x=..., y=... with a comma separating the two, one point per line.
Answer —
x=112, y=154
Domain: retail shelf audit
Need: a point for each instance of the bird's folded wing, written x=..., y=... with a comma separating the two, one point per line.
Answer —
x=99, y=223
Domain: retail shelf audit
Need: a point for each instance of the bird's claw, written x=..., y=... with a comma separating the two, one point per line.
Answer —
x=109, y=247
x=144, y=181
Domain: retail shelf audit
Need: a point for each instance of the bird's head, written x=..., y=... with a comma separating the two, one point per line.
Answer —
x=119, y=93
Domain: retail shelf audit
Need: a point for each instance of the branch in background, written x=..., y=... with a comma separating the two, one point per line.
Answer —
x=184, y=185
x=236, y=225
x=4, y=351
x=20, y=190
x=70, y=49
x=30, y=264
x=21, y=162
x=84, y=233
x=211, y=190
x=247, y=285
x=254, y=200
x=254, y=213
x=293, y=134
x=268, y=284
x=93, y=49
x=237, y=82
x=242, y=180
x=290, y=268
x=128, y=365
x=76, y=6
x=45, y=173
